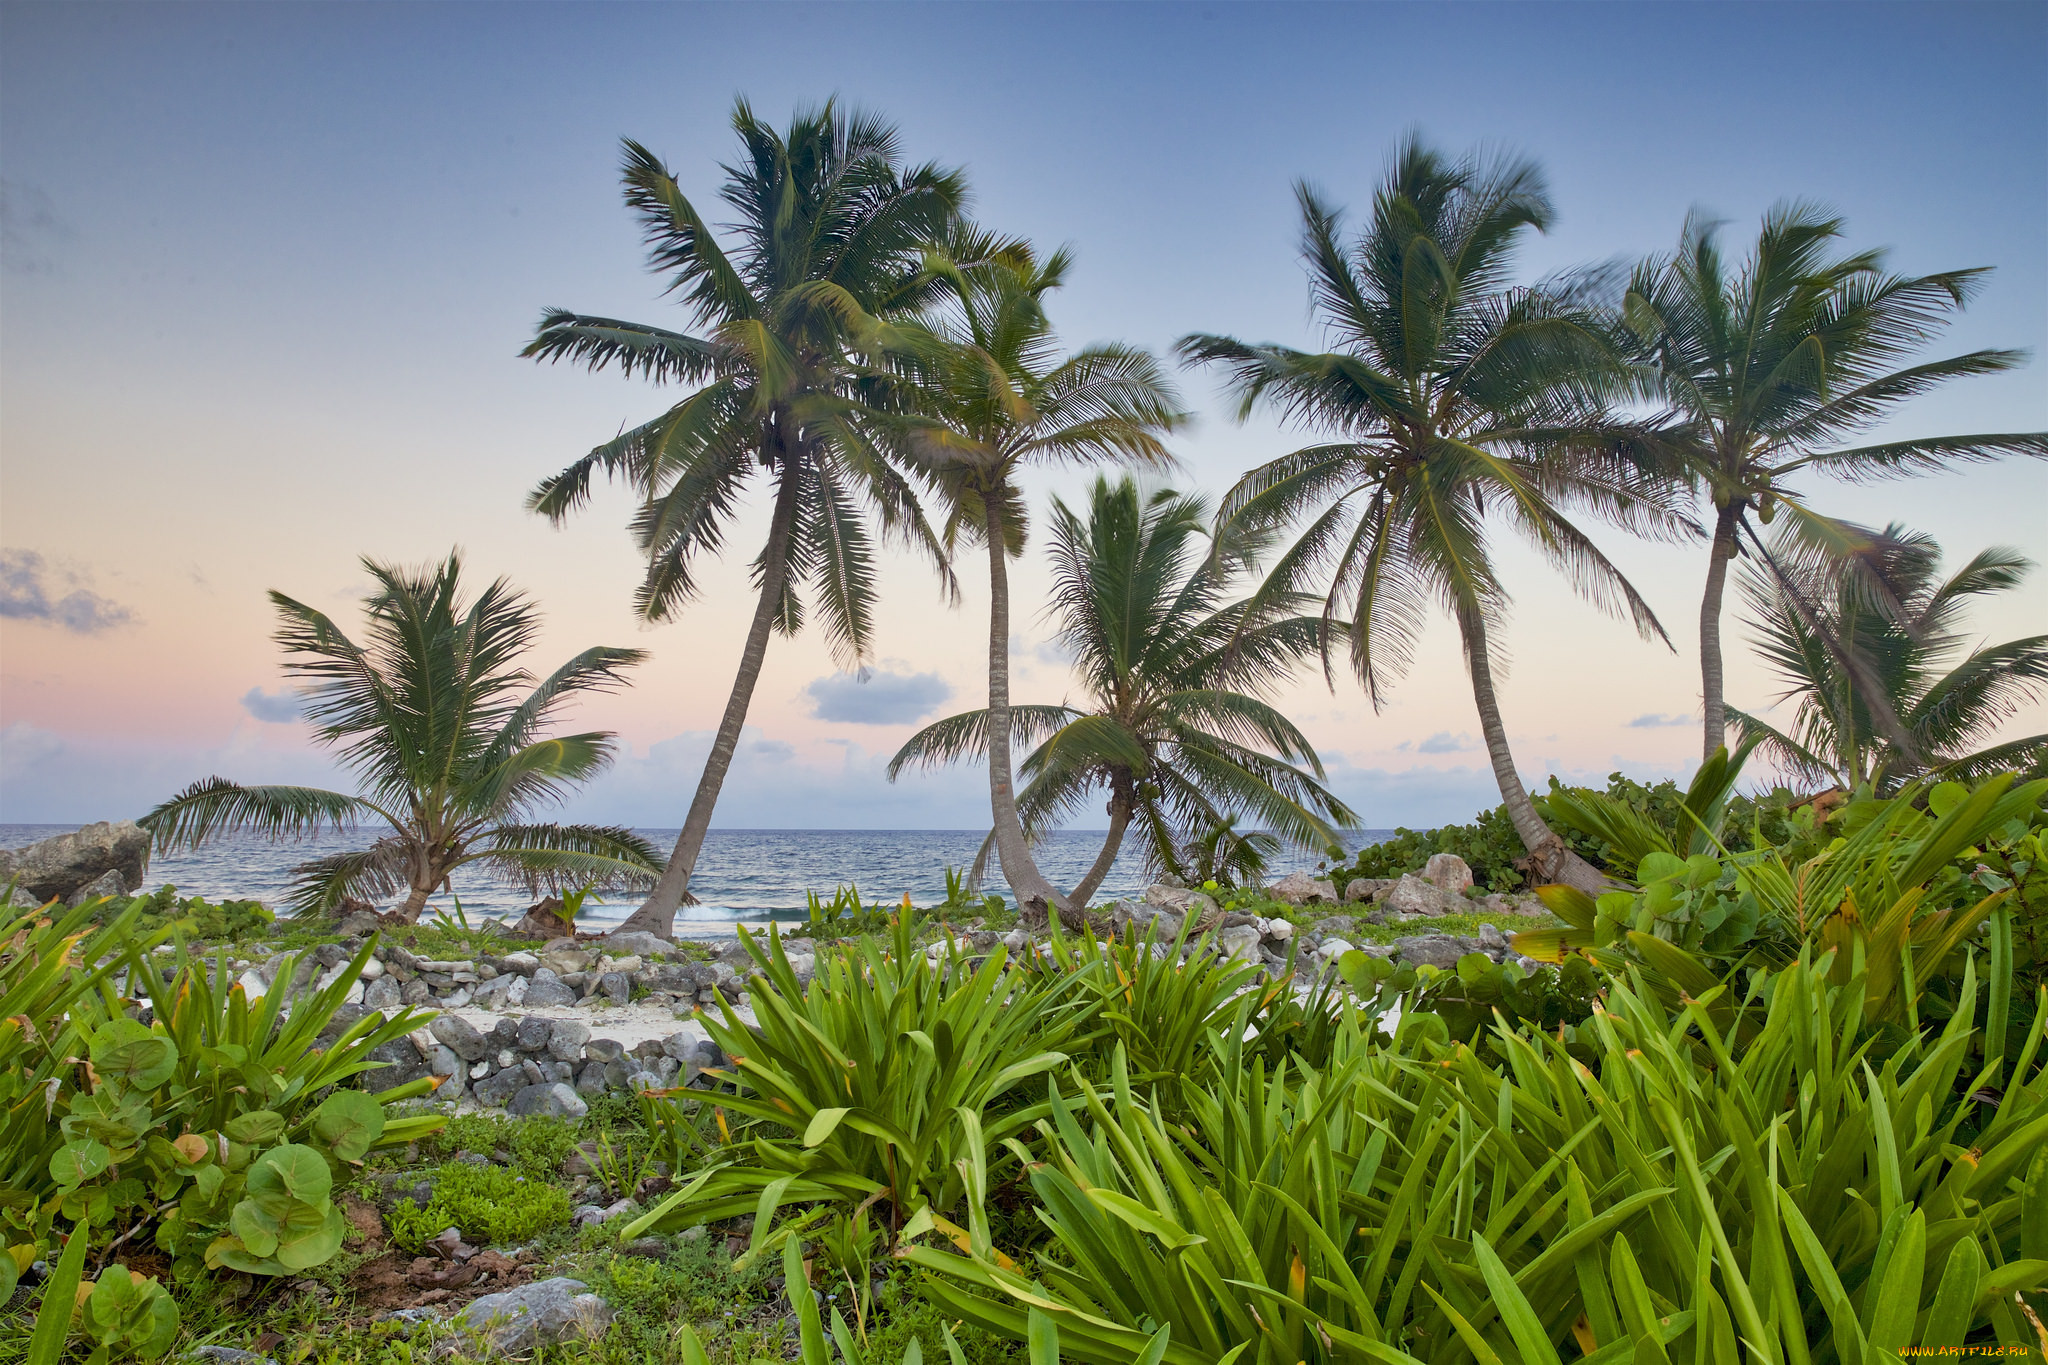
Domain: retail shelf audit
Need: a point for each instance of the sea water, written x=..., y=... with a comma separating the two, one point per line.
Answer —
x=742, y=874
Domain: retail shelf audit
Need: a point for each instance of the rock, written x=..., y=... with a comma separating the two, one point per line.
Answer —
x=1434, y=950
x=534, y=1032
x=402, y=1063
x=500, y=1086
x=108, y=883
x=1239, y=943
x=804, y=965
x=1365, y=888
x=637, y=941
x=616, y=987
x=565, y=961
x=1163, y=924
x=1298, y=888
x=381, y=994
x=460, y=1036
x=359, y=924
x=491, y=994
x=1279, y=930
x=544, y=920
x=592, y=1079
x=555, y=1099
x=253, y=985
x=523, y=963
x=566, y=1038
x=55, y=868
x=546, y=989
x=544, y=1313
x=1491, y=940
x=227, y=1355
x=415, y=993
x=456, y=999
x=1332, y=949
x=603, y=1050
x=684, y=1043
x=1447, y=872
x=372, y=969
x=1411, y=895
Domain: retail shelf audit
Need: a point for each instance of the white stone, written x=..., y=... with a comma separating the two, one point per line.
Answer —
x=1239, y=943
x=1332, y=949
x=253, y=985
x=1447, y=872
x=1280, y=929
x=372, y=969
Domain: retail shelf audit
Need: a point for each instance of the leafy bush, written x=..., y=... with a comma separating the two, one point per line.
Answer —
x=489, y=1204
x=1489, y=846
x=229, y=921
x=537, y=1145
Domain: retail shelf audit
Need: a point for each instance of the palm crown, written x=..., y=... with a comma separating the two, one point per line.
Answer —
x=1774, y=363
x=1907, y=629
x=1451, y=397
x=1176, y=727
x=446, y=734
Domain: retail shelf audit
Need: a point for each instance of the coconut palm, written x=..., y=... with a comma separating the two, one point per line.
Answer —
x=1449, y=396
x=1774, y=362
x=1176, y=727
x=446, y=734
x=1000, y=398
x=1907, y=629
x=789, y=368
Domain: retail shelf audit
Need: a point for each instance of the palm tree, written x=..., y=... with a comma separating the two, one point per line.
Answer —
x=790, y=368
x=998, y=398
x=1907, y=629
x=1176, y=726
x=446, y=734
x=1777, y=360
x=1449, y=396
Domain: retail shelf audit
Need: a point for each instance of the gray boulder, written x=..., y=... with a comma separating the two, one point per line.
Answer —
x=498, y=1088
x=460, y=1036
x=1163, y=923
x=108, y=883
x=1365, y=888
x=546, y=988
x=382, y=994
x=637, y=941
x=1413, y=896
x=1447, y=872
x=56, y=868
x=544, y=1313
x=555, y=1099
x=566, y=1038
x=616, y=987
x=402, y=1063
x=603, y=1050
x=1298, y=888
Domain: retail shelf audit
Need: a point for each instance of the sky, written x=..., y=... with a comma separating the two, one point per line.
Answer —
x=266, y=270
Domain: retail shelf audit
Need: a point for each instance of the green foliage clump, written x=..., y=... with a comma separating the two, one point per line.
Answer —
x=488, y=1203
x=537, y=1145
x=231, y=921
x=1489, y=846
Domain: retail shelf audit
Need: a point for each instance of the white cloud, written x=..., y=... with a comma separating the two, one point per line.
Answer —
x=1444, y=742
x=273, y=708
x=879, y=699
x=28, y=592
x=1651, y=720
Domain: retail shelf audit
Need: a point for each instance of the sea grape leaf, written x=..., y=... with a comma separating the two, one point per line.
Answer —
x=126, y=1050
x=79, y=1160
x=260, y=1126
x=290, y=1173
x=349, y=1122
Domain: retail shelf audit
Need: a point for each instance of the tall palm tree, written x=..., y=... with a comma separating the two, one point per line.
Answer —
x=795, y=332
x=999, y=397
x=1176, y=727
x=447, y=735
x=1449, y=396
x=1774, y=362
x=1907, y=629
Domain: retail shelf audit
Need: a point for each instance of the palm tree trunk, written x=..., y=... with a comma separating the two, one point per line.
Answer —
x=1036, y=898
x=1549, y=859
x=1713, y=678
x=658, y=914
x=1120, y=803
x=415, y=901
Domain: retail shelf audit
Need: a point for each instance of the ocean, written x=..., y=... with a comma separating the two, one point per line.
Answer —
x=742, y=874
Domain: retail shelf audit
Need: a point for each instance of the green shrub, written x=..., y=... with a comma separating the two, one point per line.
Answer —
x=537, y=1145
x=199, y=918
x=489, y=1204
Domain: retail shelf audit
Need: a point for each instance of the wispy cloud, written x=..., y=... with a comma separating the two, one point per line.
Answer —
x=1444, y=742
x=29, y=592
x=882, y=699
x=1651, y=720
x=273, y=708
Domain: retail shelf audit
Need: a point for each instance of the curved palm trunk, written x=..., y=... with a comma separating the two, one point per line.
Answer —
x=658, y=913
x=1036, y=898
x=415, y=902
x=1549, y=859
x=1713, y=678
x=1119, y=820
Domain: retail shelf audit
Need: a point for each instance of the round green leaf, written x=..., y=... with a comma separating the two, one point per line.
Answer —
x=128, y=1051
x=290, y=1172
x=350, y=1122
x=308, y=1242
x=260, y=1126
x=78, y=1161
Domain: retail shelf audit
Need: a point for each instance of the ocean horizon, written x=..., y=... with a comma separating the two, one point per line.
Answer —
x=741, y=875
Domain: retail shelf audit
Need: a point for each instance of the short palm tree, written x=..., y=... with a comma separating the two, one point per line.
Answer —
x=1773, y=362
x=1907, y=630
x=1450, y=397
x=447, y=735
x=790, y=367
x=1175, y=728
x=999, y=398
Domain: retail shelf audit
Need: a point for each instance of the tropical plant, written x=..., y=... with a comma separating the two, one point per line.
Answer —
x=864, y=1084
x=447, y=734
x=1450, y=396
x=1772, y=362
x=1628, y=834
x=1224, y=855
x=1902, y=624
x=1000, y=398
x=795, y=326
x=1679, y=1198
x=1176, y=727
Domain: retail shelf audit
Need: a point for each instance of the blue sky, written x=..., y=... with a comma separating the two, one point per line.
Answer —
x=266, y=269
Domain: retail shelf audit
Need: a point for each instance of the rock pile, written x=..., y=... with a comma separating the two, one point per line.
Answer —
x=106, y=859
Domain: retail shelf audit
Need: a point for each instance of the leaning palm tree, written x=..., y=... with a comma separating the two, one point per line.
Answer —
x=1906, y=629
x=1176, y=729
x=1449, y=397
x=1775, y=361
x=790, y=367
x=446, y=734
x=997, y=399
